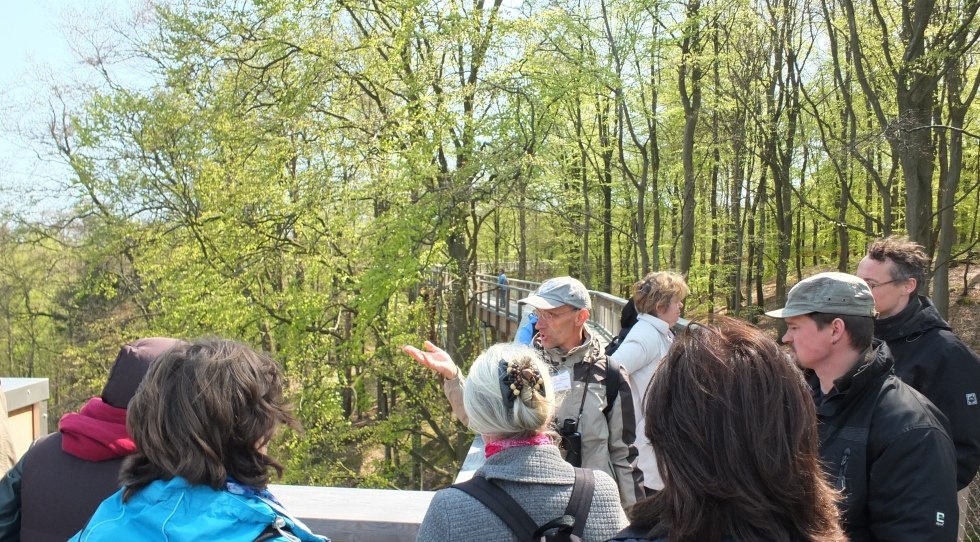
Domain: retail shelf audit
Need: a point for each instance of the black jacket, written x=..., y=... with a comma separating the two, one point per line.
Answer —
x=50, y=494
x=885, y=447
x=932, y=359
x=632, y=534
x=61, y=493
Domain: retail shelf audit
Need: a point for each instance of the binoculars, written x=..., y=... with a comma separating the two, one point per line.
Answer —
x=571, y=441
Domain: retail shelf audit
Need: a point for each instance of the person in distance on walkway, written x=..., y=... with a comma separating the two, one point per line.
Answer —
x=201, y=422
x=883, y=444
x=659, y=300
x=596, y=395
x=735, y=432
x=928, y=355
x=502, y=289
x=75, y=469
x=521, y=455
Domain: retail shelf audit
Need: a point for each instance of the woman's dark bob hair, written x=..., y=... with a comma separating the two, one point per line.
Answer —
x=734, y=428
x=205, y=412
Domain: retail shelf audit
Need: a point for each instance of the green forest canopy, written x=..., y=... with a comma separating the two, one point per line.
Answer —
x=298, y=168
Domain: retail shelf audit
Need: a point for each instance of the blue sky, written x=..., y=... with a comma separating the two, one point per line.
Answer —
x=35, y=37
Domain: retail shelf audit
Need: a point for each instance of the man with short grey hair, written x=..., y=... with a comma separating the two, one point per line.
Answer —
x=597, y=398
x=883, y=444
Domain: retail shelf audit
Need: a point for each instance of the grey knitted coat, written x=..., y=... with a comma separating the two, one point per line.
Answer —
x=540, y=481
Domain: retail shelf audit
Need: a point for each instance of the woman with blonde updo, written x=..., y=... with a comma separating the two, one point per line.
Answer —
x=509, y=399
x=659, y=300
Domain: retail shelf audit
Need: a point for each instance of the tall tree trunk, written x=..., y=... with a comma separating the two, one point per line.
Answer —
x=689, y=86
x=958, y=106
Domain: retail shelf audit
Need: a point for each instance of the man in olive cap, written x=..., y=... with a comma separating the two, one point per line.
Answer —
x=596, y=395
x=883, y=444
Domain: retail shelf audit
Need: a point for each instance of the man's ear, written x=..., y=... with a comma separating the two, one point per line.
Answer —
x=837, y=329
x=910, y=286
x=581, y=317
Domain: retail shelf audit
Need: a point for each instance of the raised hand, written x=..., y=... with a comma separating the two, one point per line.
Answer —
x=434, y=358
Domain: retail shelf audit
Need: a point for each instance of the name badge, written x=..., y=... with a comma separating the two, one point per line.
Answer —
x=562, y=380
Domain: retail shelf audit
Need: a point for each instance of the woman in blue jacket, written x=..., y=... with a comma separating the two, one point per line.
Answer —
x=201, y=422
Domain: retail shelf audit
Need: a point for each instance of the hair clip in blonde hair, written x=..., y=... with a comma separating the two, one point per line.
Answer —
x=519, y=380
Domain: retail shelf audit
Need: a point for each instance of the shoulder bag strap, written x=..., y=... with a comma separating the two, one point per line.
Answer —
x=613, y=380
x=501, y=504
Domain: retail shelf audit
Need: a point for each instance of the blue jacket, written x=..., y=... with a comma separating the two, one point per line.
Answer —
x=177, y=511
x=525, y=334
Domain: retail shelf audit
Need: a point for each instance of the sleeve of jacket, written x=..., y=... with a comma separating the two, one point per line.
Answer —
x=955, y=391
x=436, y=525
x=622, y=451
x=10, y=503
x=453, y=388
x=912, y=488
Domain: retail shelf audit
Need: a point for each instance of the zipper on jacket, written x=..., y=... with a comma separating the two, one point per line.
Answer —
x=842, y=473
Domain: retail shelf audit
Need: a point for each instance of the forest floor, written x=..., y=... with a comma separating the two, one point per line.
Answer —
x=964, y=310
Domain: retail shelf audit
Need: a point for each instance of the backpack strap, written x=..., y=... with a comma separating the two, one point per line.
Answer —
x=580, y=502
x=577, y=511
x=519, y=521
x=501, y=504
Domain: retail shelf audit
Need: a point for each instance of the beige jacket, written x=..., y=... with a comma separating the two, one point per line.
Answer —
x=607, y=440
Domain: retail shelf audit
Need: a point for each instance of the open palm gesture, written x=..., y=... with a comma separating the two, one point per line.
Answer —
x=434, y=358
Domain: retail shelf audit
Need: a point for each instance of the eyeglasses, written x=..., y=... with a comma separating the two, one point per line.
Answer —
x=874, y=285
x=549, y=316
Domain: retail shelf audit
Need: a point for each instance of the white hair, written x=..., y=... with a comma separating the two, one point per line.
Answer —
x=490, y=412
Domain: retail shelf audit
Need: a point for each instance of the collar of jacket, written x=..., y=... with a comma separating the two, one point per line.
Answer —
x=587, y=352
x=874, y=362
x=919, y=316
x=528, y=464
x=656, y=323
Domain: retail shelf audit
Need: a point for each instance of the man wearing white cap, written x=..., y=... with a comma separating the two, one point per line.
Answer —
x=597, y=399
x=883, y=444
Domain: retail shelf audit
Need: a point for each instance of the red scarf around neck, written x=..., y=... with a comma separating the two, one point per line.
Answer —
x=502, y=444
x=96, y=433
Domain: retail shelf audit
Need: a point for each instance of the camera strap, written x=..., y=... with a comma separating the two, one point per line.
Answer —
x=612, y=382
x=585, y=393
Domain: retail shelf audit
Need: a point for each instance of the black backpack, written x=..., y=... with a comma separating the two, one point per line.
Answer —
x=566, y=528
x=626, y=320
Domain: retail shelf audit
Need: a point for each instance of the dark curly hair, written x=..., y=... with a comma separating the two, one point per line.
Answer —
x=909, y=259
x=205, y=412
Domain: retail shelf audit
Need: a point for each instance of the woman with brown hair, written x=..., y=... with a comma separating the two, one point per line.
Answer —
x=735, y=433
x=201, y=421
